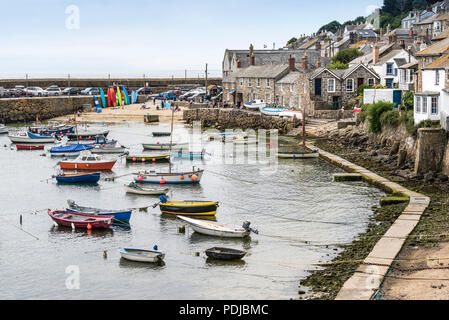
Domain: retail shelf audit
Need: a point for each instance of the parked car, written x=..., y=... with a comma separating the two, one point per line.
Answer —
x=35, y=92
x=144, y=90
x=19, y=91
x=70, y=92
x=53, y=91
x=90, y=91
x=3, y=93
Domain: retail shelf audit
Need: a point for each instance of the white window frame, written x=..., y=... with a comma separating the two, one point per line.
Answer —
x=241, y=82
x=418, y=104
x=282, y=87
x=424, y=105
x=227, y=86
x=437, y=77
x=350, y=80
x=329, y=81
x=250, y=83
x=268, y=97
x=434, y=103
x=292, y=87
x=268, y=83
x=290, y=102
x=299, y=103
x=258, y=82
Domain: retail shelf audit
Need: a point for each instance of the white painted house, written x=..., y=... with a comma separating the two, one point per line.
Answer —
x=387, y=67
x=432, y=102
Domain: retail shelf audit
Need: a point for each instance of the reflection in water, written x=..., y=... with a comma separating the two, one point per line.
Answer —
x=62, y=230
x=222, y=263
x=127, y=264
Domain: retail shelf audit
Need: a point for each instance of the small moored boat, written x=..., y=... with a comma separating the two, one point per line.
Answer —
x=149, y=158
x=216, y=229
x=272, y=111
x=255, y=104
x=80, y=220
x=140, y=255
x=164, y=146
x=299, y=155
x=79, y=178
x=29, y=147
x=28, y=137
x=69, y=151
x=193, y=177
x=225, y=254
x=87, y=161
x=185, y=154
x=136, y=189
x=3, y=128
x=119, y=215
x=161, y=134
x=188, y=208
x=87, y=135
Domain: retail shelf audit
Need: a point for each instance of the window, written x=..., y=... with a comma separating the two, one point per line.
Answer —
x=250, y=82
x=410, y=76
x=390, y=68
x=404, y=75
x=233, y=86
x=283, y=101
x=424, y=105
x=276, y=100
x=258, y=83
x=268, y=83
x=418, y=105
x=330, y=85
x=299, y=103
x=437, y=77
x=268, y=98
x=256, y=96
x=371, y=82
x=241, y=82
x=350, y=85
x=227, y=85
x=290, y=103
x=291, y=87
x=282, y=88
x=434, y=105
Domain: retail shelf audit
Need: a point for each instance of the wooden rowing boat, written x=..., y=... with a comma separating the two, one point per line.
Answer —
x=136, y=189
x=149, y=158
x=29, y=147
x=79, y=178
x=216, y=229
x=81, y=220
x=140, y=255
x=225, y=254
x=193, y=177
x=164, y=146
x=119, y=215
x=189, y=208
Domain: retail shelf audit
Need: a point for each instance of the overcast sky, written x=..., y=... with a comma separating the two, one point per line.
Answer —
x=155, y=37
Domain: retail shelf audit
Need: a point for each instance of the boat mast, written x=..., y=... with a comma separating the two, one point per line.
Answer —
x=171, y=133
x=304, y=129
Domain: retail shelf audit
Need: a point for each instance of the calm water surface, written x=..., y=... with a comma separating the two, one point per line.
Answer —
x=286, y=206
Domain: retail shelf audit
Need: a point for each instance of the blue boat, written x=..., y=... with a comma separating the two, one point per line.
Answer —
x=119, y=215
x=71, y=150
x=79, y=178
x=36, y=136
x=48, y=131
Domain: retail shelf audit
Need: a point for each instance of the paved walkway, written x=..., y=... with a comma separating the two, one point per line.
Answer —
x=371, y=273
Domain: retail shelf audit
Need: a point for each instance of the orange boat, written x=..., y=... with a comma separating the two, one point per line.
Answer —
x=88, y=161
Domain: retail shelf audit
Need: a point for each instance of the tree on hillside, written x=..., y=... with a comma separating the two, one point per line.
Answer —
x=292, y=40
x=357, y=20
x=333, y=27
x=419, y=4
x=347, y=55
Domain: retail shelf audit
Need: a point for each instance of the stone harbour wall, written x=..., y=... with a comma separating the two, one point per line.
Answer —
x=236, y=118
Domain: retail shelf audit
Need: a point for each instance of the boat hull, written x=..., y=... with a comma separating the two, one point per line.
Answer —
x=87, y=166
x=206, y=209
x=64, y=218
x=29, y=147
x=144, y=255
x=79, y=178
x=298, y=155
x=225, y=254
x=150, y=159
x=18, y=139
x=119, y=215
x=164, y=146
x=210, y=229
x=91, y=136
x=146, y=192
x=171, y=178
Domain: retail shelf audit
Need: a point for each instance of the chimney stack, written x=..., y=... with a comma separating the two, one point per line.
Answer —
x=291, y=63
x=239, y=64
x=318, y=63
x=304, y=62
x=375, y=54
x=251, y=55
x=411, y=33
x=318, y=45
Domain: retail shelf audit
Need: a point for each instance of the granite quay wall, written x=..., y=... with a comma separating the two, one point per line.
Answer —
x=237, y=118
x=27, y=109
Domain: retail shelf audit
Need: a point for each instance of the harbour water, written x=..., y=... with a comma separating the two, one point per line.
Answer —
x=300, y=211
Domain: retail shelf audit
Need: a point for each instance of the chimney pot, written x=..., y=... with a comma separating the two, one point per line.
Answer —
x=291, y=63
x=375, y=54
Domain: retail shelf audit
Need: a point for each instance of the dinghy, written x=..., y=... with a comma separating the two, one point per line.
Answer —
x=87, y=161
x=270, y=111
x=149, y=158
x=28, y=137
x=164, y=146
x=161, y=134
x=255, y=104
x=193, y=177
x=78, y=178
x=80, y=220
x=3, y=129
x=87, y=135
x=29, y=147
x=119, y=215
x=134, y=188
x=225, y=254
x=140, y=255
x=216, y=229
x=188, y=208
x=107, y=148
x=188, y=154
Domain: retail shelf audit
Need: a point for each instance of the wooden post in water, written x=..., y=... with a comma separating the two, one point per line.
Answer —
x=303, y=129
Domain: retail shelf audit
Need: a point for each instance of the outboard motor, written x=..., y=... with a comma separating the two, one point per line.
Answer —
x=246, y=226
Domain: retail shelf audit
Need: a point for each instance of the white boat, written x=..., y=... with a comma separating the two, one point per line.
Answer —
x=255, y=104
x=154, y=177
x=216, y=229
x=272, y=111
x=3, y=128
x=28, y=137
x=139, y=255
x=135, y=189
x=291, y=114
x=298, y=155
x=100, y=149
x=165, y=146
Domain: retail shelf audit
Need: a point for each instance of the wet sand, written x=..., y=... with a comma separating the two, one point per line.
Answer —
x=129, y=113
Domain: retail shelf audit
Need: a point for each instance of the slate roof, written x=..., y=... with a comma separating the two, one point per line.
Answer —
x=291, y=77
x=269, y=71
x=442, y=35
x=441, y=63
x=367, y=58
x=390, y=55
x=435, y=49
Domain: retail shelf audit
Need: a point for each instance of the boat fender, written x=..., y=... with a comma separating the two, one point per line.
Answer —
x=73, y=226
x=154, y=160
x=181, y=177
x=194, y=177
x=163, y=181
x=163, y=199
x=155, y=247
x=140, y=178
x=89, y=226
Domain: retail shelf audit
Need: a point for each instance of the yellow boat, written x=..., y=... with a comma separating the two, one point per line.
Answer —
x=189, y=208
x=149, y=158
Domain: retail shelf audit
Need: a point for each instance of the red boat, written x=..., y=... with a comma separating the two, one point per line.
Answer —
x=88, y=161
x=81, y=220
x=28, y=147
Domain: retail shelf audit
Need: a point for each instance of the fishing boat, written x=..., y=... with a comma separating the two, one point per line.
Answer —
x=225, y=254
x=216, y=229
x=188, y=208
x=299, y=155
x=119, y=215
x=87, y=135
x=69, y=151
x=51, y=129
x=97, y=141
x=78, y=178
x=136, y=189
x=161, y=134
x=272, y=111
x=188, y=154
x=87, y=161
x=28, y=137
x=80, y=220
x=291, y=114
x=164, y=146
x=107, y=148
x=29, y=147
x=3, y=129
x=255, y=104
x=193, y=177
x=140, y=255
x=149, y=158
